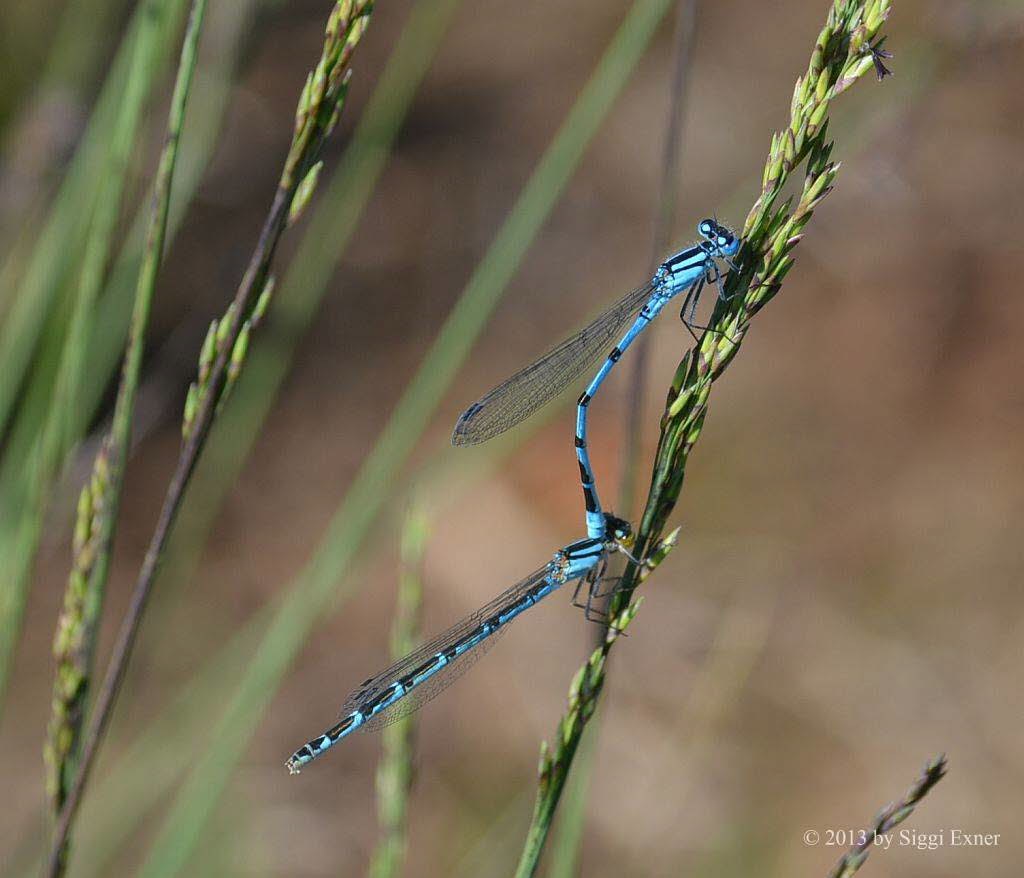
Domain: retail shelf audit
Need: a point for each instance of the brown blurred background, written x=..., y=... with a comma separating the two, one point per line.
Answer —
x=845, y=600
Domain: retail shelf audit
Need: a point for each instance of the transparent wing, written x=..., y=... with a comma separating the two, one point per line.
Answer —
x=530, y=388
x=416, y=662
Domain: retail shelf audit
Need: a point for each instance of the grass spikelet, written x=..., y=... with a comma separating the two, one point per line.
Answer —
x=395, y=773
x=889, y=818
x=75, y=637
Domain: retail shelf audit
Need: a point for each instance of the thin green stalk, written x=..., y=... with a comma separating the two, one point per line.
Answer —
x=568, y=844
x=889, y=818
x=583, y=692
x=394, y=773
x=56, y=433
x=140, y=58
x=22, y=516
x=846, y=49
x=319, y=104
x=316, y=588
x=100, y=499
x=150, y=764
x=223, y=35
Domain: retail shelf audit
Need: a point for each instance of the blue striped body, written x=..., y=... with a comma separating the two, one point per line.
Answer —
x=686, y=270
x=584, y=558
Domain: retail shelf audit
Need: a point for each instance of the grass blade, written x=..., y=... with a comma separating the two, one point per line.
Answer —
x=61, y=241
x=22, y=520
x=394, y=774
x=319, y=104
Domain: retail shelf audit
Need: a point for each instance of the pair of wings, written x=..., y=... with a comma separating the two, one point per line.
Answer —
x=521, y=395
x=505, y=406
x=434, y=685
x=370, y=689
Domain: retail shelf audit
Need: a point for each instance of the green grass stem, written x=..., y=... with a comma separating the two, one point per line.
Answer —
x=100, y=500
x=222, y=39
x=319, y=104
x=331, y=223
x=100, y=197
x=583, y=694
x=394, y=773
x=142, y=55
x=147, y=767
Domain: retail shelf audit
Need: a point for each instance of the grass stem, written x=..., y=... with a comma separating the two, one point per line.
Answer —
x=321, y=100
x=394, y=773
x=83, y=222
x=100, y=499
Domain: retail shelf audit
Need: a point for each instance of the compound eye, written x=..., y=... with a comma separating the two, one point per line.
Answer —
x=724, y=240
x=706, y=228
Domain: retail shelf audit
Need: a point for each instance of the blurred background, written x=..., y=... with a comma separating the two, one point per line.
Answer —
x=845, y=599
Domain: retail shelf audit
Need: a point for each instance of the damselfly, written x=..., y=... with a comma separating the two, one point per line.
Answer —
x=410, y=683
x=530, y=388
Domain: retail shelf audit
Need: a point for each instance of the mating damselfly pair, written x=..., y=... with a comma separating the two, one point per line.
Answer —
x=411, y=682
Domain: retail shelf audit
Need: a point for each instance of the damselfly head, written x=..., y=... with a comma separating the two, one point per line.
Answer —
x=721, y=237
x=619, y=530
